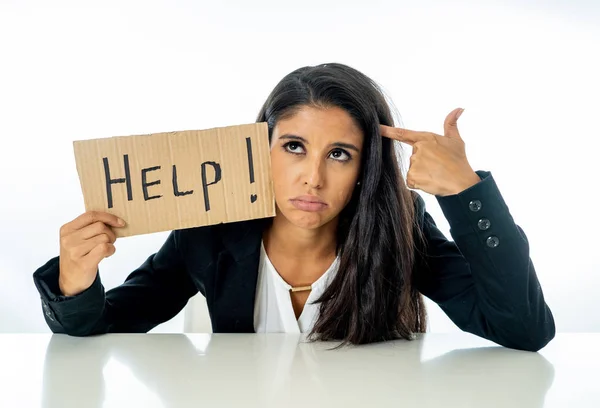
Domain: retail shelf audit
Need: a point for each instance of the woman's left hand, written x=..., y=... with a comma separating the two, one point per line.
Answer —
x=438, y=164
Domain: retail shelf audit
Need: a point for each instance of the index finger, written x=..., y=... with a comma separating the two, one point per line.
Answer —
x=403, y=135
x=91, y=217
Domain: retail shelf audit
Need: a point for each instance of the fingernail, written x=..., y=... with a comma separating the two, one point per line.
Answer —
x=120, y=222
x=459, y=113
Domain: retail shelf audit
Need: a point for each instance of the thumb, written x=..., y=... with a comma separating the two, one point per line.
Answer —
x=450, y=126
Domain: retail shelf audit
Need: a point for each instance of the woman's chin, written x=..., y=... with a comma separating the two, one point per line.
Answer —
x=307, y=220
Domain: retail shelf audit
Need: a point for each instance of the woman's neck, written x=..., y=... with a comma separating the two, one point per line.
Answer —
x=294, y=243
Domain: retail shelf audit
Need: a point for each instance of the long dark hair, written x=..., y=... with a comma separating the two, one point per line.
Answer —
x=372, y=297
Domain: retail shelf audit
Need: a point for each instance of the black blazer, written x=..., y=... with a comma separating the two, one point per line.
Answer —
x=484, y=280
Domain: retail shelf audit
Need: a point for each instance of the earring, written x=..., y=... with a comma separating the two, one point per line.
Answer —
x=358, y=184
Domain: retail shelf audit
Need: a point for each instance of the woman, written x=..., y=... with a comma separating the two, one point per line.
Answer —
x=350, y=252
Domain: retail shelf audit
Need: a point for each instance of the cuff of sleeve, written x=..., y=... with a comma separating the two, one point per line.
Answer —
x=468, y=211
x=46, y=280
x=54, y=302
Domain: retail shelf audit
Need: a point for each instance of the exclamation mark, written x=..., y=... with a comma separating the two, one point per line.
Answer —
x=250, y=166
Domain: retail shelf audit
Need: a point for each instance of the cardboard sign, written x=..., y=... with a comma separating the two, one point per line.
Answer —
x=176, y=180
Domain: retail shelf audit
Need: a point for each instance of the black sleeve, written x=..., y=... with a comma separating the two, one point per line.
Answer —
x=152, y=294
x=485, y=280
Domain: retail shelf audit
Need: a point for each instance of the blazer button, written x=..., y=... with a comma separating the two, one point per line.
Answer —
x=492, y=241
x=475, y=205
x=484, y=224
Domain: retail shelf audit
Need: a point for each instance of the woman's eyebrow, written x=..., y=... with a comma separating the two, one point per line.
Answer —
x=336, y=144
x=294, y=137
x=346, y=146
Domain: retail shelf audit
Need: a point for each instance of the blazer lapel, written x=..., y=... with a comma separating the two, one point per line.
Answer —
x=236, y=277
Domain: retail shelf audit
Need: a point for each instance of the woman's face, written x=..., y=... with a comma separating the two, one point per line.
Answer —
x=315, y=160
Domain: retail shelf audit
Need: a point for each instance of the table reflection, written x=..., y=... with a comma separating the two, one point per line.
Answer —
x=283, y=370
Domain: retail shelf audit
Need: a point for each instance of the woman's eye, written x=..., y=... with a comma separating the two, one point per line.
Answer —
x=340, y=155
x=293, y=147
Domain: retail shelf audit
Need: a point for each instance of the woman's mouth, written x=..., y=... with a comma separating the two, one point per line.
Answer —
x=308, y=203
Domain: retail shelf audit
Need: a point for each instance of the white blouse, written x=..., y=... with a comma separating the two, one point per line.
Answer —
x=273, y=310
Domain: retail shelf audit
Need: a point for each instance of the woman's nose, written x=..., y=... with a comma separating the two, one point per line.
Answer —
x=315, y=176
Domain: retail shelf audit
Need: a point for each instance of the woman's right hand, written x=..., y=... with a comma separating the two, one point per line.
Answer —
x=84, y=242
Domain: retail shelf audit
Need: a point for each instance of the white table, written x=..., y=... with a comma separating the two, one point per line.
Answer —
x=278, y=370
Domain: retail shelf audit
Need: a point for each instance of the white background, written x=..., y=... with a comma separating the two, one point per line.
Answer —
x=525, y=72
